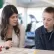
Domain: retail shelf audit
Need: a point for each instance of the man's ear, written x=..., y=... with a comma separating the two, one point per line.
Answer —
x=53, y=23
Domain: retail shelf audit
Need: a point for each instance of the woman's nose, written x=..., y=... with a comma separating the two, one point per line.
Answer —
x=16, y=19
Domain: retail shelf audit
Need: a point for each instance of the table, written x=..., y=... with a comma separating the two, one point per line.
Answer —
x=17, y=51
x=25, y=51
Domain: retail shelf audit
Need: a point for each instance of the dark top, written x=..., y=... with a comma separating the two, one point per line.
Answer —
x=29, y=26
x=43, y=39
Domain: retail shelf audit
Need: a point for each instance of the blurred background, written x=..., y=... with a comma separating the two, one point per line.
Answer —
x=30, y=15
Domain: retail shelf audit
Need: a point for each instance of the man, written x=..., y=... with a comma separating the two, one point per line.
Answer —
x=44, y=35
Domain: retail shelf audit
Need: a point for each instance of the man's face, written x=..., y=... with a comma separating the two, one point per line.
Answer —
x=48, y=20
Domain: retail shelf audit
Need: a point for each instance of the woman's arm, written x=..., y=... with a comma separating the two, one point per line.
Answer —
x=22, y=36
x=5, y=43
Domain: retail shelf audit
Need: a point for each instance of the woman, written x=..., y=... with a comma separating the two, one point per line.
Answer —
x=12, y=33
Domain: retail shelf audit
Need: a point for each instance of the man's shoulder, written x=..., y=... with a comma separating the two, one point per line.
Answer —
x=40, y=28
x=39, y=31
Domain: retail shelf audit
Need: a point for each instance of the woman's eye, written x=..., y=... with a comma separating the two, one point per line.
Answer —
x=13, y=17
x=16, y=16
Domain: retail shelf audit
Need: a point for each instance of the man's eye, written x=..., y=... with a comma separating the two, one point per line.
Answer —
x=49, y=19
x=44, y=19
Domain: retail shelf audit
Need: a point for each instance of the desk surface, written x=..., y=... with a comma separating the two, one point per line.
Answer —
x=25, y=51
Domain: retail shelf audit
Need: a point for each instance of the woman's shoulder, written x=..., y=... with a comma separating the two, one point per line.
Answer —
x=21, y=26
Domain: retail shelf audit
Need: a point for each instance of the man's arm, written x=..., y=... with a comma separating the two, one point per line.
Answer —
x=38, y=43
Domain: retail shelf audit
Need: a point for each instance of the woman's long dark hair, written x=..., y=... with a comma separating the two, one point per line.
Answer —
x=6, y=13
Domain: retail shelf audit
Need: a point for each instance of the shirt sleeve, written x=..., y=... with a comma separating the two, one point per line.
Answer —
x=22, y=36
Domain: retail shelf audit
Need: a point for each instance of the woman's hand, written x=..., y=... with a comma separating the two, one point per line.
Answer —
x=8, y=43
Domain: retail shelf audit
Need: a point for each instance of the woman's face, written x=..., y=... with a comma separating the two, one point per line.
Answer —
x=13, y=20
x=48, y=20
